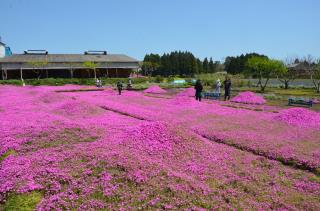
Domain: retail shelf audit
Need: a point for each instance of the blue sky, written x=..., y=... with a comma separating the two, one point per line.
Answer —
x=207, y=28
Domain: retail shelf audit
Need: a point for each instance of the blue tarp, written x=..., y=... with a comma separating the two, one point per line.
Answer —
x=179, y=81
x=8, y=51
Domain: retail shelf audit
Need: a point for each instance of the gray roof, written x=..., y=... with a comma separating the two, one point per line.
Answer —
x=64, y=58
x=293, y=65
x=300, y=65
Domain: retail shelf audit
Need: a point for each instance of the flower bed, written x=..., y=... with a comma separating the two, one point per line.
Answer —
x=300, y=117
x=79, y=156
x=249, y=98
x=256, y=131
x=154, y=89
x=189, y=92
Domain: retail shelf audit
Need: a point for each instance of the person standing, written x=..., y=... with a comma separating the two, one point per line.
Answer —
x=129, y=86
x=217, y=88
x=198, y=87
x=119, y=87
x=227, y=88
x=98, y=82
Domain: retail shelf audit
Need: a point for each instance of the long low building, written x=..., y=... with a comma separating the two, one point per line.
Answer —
x=40, y=64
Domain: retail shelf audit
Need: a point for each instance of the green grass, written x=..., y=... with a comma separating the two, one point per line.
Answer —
x=280, y=91
x=11, y=82
x=9, y=152
x=22, y=202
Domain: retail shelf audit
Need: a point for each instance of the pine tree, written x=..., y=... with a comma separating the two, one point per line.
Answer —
x=205, y=65
x=199, y=66
x=211, y=66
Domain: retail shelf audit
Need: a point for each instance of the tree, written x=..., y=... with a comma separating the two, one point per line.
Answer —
x=149, y=67
x=181, y=63
x=211, y=66
x=315, y=76
x=72, y=66
x=91, y=66
x=205, y=65
x=289, y=75
x=218, y=66
x=38, y=66
x=199, y=66
x=175, y=63
x=265, y=68
x=151, y=64
x=236, y=65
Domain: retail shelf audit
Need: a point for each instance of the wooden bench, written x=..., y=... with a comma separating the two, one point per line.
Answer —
x=299, y=101
x=211, y=95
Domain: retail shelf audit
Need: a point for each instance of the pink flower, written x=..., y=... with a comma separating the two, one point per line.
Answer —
x=249, y=98
x=154, y=89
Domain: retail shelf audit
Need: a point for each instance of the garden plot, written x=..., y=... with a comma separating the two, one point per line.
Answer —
x=264, y=133
x=63, y=151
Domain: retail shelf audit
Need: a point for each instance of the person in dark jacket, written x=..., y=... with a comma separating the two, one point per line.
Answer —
x=198, y=87
x=227, y=88
x=119, y=87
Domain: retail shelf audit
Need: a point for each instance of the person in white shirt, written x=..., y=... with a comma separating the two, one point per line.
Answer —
x=217, y=88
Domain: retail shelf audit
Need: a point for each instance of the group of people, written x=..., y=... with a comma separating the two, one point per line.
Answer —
x=226, y=84
x=119, y=85
x=198, y=87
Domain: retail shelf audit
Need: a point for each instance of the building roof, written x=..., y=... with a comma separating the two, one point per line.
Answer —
x=66, y=58
x=301, y=65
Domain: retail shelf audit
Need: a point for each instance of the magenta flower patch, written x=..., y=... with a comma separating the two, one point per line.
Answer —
x=101, y=151
x=154, y=89
x=249, y=98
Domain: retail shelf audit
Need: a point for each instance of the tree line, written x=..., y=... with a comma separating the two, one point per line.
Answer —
x=252, y=65
x=181, y=63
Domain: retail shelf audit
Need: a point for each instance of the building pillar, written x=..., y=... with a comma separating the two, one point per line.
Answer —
x=71, y=73
x=117, y=72
x=21, y=76
x=5, y=75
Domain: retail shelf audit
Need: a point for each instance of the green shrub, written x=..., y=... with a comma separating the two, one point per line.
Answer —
x=170, y=79
x=159, y=79
x=11, y=82
x=140, y=86
x=171, y=85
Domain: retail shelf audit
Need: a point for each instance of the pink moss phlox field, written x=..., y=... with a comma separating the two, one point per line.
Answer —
x=315, y=101
x=188, y=92
x=104, y=151
x=155, y=89
x=256, y=131
x=249, y=98
x=300, y=117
